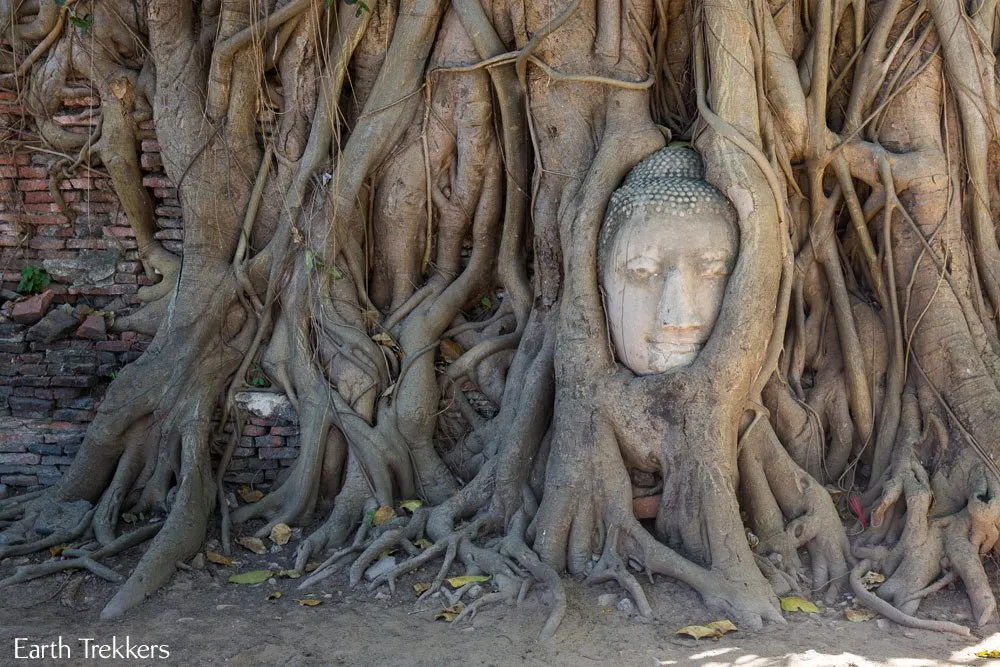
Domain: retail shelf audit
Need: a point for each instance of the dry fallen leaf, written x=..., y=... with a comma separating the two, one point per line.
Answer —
x=449, y=613
x=311, y=567
x=450, y=350
x=289, y=574
x=251, y=577
x=458, y=582
x=383, y=339
x=218, y=559
x=129, y=518
x=281, y=533
x=310, y=602
x=723, y=626
x=992, y=653
x=698, y=631
x=872, y=580
x=420, y=589
x=254, y=544
x=383, y=514
x=56, y=551
x=273, y=595
x=250, y=495
x=794, y=603
x=858, y=615
x=410, y=505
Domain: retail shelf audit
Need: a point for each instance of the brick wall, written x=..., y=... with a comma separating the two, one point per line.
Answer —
x=49, y=391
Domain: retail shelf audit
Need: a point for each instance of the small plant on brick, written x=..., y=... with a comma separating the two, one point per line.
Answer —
x=33, y=280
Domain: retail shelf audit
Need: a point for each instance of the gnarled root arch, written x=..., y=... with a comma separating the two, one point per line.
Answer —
x=394, y=211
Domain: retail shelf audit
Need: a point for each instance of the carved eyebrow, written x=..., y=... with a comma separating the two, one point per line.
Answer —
x=640, y=262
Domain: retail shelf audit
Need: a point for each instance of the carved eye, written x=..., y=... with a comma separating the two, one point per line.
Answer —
x=641, y=273
x=713, y=268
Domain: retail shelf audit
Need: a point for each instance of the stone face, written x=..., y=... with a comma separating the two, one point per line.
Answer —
x=95, y=268
x=93, y=328
x=56, y=324
x=266, y=405
x=667, y=245
x=33, y=308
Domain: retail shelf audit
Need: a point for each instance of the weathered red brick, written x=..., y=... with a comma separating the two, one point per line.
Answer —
x=151, y=181
x=646, y=508
x=119, y=231
x=16, y=158
x=41, y=208
x=87, y=101
x=33, y=184
x=21, y=458
x=43, y=243
x=33, y=172
x=150, y=161
x=32, y=309
x=46, y=197
x=19, y=480
x=93, y=328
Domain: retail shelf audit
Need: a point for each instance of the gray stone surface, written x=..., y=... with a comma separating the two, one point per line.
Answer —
x=95, y=267
x=56, y=324
x=380, y=568
x=266, y=404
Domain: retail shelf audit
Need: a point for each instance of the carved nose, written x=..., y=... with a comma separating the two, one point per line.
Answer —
x=678, y=309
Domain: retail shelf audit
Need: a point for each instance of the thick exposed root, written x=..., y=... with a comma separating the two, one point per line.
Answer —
x=875, y=603
x=921, y=552
x=611, y=567
x=570, y=515
x=788, y=509
x=183, y=532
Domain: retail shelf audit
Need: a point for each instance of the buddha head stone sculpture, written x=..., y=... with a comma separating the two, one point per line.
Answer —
x=666, y=248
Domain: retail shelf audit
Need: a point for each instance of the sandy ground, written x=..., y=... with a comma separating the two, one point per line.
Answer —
x=204, y=620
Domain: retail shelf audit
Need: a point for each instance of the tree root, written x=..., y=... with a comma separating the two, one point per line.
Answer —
x=55, y=539
x=29, y=572
x=514, y=546
x=895, y=615
x=611, y=567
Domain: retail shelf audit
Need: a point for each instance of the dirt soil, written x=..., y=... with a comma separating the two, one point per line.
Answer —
x=207, y=621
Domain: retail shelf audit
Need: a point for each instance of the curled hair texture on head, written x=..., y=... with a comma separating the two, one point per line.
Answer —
x=669, y=183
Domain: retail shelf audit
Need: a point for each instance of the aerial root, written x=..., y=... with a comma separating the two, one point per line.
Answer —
x=83, y=559
x=55, y=539
x=782, y=581
x=451, y=549
x=29, y=572
x=515, y=547
x=470, y=610
x=895, y=615
x=330, y=566
x=948, y=578
x=17, y=501
x=420, y=558
x=394, y=537
x=611, y=567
